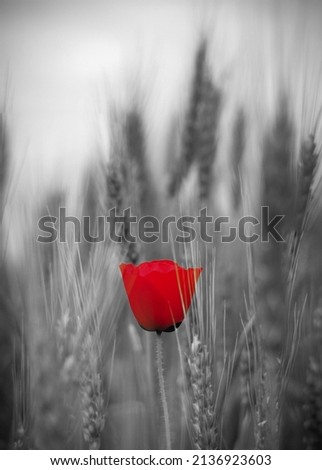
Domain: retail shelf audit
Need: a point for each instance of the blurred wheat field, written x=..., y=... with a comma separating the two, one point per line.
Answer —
x=211, y=105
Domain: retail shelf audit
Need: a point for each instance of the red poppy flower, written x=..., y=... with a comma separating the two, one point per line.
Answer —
x=159, y=292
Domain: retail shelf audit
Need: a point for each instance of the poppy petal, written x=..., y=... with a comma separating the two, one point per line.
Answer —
x=159, y=292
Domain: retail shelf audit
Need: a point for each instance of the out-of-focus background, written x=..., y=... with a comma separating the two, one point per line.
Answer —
x=63, y=65
x=165, y=106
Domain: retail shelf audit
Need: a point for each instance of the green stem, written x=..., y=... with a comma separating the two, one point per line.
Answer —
x=162, y=390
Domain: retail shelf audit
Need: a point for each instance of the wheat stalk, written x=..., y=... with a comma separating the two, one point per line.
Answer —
x=189, y=144
x=237, y=155
x=313, y=398
x=307, y=168
x=203, y=413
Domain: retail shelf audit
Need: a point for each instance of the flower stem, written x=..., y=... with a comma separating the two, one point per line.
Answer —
x=162, y=390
